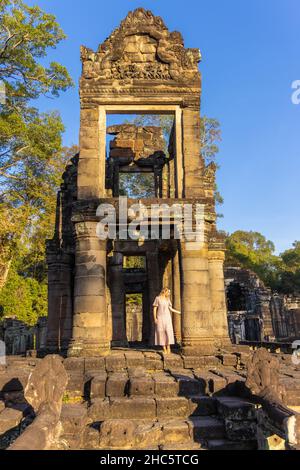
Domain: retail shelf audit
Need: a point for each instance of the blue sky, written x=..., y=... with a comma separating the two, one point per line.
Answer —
x=250, y=57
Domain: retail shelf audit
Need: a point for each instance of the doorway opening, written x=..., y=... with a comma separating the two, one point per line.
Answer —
x=134, y=317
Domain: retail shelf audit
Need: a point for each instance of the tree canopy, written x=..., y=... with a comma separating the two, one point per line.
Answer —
x=253, y=251
x=31, y=154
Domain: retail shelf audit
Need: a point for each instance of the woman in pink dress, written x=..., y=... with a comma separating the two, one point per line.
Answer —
x=162, y=308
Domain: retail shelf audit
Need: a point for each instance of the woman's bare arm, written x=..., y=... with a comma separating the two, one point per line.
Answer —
x=174, y=310
x=154, y=314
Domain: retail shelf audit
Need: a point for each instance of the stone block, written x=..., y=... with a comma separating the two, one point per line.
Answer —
x=98, y=385
x=132, y=408
x=134, y=359
x=202, y=406
x=94, y=364
x=117, y=433
x=172, y=361
x=75, y=385
x=240, y=430
x=116, y=385
x=141, y=386
x=174, y=431
x=74, y=364
x=225, y=444
x=228, y=359
x=91, y=437
x=99, y=409
x=172, y=407
x=115, y=362
x=73, y=418
x=153, y=361
x=235, y=409
x=9, y=419
x=148, y=434
x=206, y=428
x=165, y=386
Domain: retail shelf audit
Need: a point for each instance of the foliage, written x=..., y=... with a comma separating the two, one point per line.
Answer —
x=31, y=156
x=23, y=298
x=253, y=251
x=289, y=271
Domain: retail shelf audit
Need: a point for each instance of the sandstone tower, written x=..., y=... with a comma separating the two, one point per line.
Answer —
x=142, y=68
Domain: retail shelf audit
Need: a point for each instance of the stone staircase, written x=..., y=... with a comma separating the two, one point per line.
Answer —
x=160, y=405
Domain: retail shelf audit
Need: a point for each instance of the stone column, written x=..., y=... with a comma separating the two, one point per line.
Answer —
x=59, y=324
x=91, y=164
x=117, y=293
x=90, y=329
x=193, y=163
x=176, y=297
x=197, y=334
x=154, y=286
x=218, y=300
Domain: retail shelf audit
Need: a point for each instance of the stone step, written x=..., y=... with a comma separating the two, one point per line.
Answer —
x=236, y=409
x=145, y=434
x=147, y=408
x=189, y=445
x=224, y=444
x=204, y=428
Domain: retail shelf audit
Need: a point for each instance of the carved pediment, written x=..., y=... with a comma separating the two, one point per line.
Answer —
x=142, y=48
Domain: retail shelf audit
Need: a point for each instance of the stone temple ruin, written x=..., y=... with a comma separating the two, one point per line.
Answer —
x=141, y=68
x=114, y=391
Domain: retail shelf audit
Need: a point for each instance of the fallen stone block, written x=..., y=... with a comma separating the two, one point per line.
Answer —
x=9, y=419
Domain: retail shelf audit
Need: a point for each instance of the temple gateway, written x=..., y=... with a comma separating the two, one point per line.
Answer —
x=141, y=69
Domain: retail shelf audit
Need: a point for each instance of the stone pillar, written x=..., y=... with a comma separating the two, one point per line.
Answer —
x=218, y=300
x=197, y=333
x=117, y=292
x=90, y=329
x=193, y=163
x=91, y=167
x=154, y=286
x=176, y=297
x=59, y=326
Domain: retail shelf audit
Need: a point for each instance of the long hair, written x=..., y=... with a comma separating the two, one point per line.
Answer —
x=165, y=292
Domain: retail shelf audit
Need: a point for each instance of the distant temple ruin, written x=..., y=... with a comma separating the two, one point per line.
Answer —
x=142, y=68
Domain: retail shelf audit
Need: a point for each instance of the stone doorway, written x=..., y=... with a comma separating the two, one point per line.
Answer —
x=134, y=318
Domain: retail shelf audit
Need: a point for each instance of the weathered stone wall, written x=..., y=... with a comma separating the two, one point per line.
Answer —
x=255, y=313
x=140, y=142
x=19, y=337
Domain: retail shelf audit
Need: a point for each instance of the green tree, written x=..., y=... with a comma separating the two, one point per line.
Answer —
x=23, y=298
x=31, y=156
x=253, y=251
x=289, y=271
